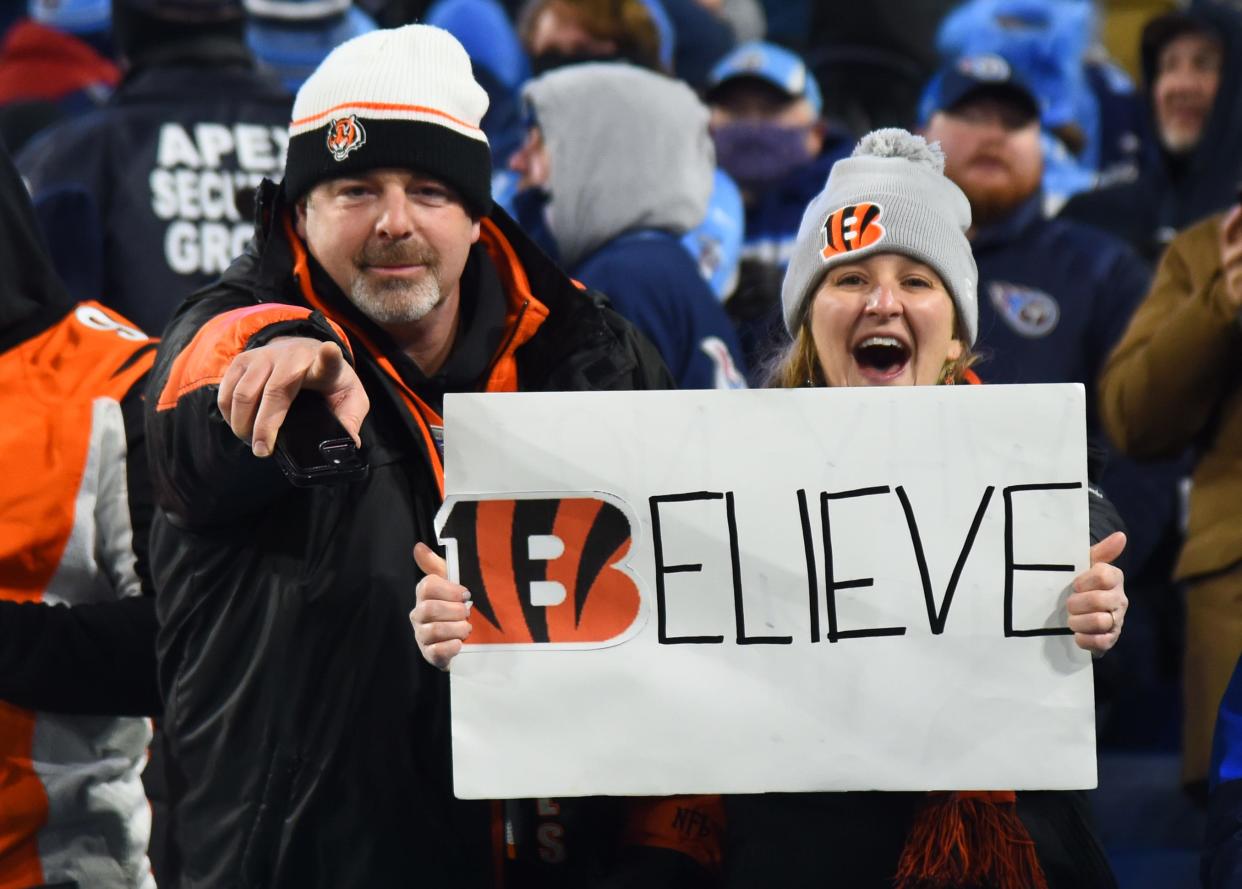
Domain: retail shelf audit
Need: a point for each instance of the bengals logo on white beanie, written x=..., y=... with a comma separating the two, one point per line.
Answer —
x=402, y=97
x=345, y=134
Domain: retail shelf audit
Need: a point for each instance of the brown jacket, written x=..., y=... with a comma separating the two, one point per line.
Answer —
x=1174, y=380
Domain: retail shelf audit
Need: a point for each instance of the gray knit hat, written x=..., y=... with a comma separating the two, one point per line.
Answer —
x=890, y=196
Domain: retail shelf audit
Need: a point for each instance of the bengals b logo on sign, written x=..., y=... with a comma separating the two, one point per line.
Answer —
x=851, y=228
x=345, y=134
x=544, y=570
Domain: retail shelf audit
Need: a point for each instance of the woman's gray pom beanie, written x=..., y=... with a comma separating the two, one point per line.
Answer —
x=889, y=196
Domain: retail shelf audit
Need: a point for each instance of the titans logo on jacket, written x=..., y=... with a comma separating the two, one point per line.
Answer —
x=1028, y=311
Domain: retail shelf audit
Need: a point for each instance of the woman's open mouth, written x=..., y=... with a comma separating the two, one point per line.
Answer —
x=881, y=359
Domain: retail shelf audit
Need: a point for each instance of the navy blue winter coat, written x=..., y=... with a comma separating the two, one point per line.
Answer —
x=654, y=283
x=1054, y=298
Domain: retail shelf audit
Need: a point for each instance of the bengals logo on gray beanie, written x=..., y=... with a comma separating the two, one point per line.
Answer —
x=889, y=196
x=402, y=98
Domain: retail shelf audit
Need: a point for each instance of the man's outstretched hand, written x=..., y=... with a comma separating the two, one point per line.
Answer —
x=260, y=385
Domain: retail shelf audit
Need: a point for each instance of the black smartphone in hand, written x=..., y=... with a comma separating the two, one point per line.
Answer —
x=313, y=448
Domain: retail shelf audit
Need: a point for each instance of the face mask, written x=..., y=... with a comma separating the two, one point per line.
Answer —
x=759, y=155
x=555, y=58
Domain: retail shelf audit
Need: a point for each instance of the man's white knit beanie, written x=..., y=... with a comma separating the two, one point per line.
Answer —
x=403, y=97
x=889, y=196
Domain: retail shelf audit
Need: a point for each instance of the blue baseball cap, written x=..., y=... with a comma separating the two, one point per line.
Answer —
x=772, y=64
x=970, y=75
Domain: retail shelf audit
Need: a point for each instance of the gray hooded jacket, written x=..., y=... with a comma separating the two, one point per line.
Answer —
x=628, y=149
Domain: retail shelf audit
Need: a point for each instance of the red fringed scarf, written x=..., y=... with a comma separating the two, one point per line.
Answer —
x=969, y=839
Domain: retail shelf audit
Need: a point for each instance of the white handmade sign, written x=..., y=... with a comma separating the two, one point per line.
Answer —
x=749, y=591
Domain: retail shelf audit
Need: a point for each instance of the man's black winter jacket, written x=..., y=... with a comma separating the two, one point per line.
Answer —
x=310, y=738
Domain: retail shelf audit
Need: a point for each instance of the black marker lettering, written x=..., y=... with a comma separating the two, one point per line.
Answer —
x=661, y=569
x=739, y=610
x=831, y=584
x=937, y=618
x=1011, y=566
x=812, y=580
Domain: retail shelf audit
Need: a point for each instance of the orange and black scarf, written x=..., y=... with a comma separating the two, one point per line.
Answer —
x=969, y=838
